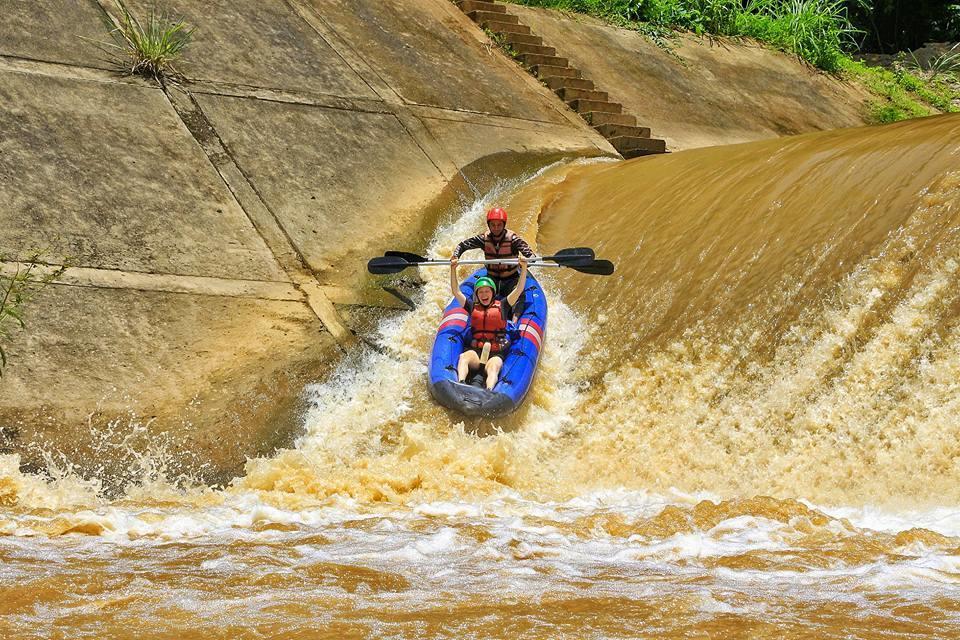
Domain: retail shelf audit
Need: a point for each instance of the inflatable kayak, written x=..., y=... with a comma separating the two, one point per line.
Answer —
x=519, y=365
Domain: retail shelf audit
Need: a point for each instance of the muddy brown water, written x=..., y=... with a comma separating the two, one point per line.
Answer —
x=750, y=430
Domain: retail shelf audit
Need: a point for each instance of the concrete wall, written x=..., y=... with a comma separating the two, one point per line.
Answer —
x=700, y=92
x=217, y=227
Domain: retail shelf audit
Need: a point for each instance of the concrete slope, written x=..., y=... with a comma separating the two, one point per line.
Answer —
x=217, y=228
x=701, y=92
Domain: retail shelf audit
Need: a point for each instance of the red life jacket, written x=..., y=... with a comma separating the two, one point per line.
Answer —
x=504, y=249
x=488, y=325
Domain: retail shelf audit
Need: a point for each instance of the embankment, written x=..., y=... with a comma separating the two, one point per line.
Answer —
x=700, y=92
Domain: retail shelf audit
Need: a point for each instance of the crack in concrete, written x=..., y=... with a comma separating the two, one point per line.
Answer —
x=263, y=219
x=99, y=278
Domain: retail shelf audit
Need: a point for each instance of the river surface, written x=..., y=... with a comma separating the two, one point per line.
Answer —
x=751, y=430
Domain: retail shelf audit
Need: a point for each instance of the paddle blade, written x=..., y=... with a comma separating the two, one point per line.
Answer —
x=387, y=264
x=595, y=268
x=409, y=257
x=572, y=256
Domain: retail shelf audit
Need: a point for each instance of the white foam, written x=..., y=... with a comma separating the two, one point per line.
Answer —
x=942, y=520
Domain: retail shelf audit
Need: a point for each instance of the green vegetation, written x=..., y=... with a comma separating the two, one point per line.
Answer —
x=902, y=94
x=148, y=49
x=903, y=25
x=501, y=42
x=27, y=280
x=817, y=31
x=947, y=63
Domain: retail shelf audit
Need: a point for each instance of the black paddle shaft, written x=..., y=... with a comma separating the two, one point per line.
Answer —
x=578, y=255
x=395, y=264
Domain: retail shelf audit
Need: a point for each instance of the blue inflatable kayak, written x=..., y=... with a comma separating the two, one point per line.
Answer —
x=519, y=365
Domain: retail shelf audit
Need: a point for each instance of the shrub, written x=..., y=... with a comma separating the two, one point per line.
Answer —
x=817, y=31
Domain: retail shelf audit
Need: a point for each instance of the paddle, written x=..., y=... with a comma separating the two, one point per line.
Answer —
x=595, y=268
x=396, y=264
x=566, y=257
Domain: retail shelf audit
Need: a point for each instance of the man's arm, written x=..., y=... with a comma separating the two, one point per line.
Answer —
x=520, y=246
x=476, y=242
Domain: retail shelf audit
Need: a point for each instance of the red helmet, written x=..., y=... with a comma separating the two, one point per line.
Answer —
x=497, y=214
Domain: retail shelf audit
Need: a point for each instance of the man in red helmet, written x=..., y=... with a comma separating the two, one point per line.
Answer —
x=501, y=243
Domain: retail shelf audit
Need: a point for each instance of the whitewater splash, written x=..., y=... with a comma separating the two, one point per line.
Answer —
x=750, y=430
x=374, y=433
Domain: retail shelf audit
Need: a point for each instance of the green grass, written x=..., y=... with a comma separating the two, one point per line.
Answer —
x=816, y=31
x=148, y=48
x=499, y=40
x=18, y=289
x=900, y=94
x=946, y=64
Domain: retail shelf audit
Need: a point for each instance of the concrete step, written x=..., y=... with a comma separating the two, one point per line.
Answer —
x=493, y=16
x=505, y=27
x=480, y=5
x=638, y=146
x=584, y=106
x=567, y=94
x=522, y=38
x=615, y=130
x=533, y=59
x=533, y=49
x=552, y=71
x=559, y=82
x=636, y=153
x=597, y=118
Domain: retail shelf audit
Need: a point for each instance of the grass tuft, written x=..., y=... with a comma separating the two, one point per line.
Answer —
x=147, y=48
x=18, y=288
x=499, y=40
x=946, y=64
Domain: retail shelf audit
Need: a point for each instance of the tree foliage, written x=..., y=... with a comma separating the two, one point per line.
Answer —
x=901, y=25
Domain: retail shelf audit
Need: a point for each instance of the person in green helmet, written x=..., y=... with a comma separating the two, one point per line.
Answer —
x=488, y=323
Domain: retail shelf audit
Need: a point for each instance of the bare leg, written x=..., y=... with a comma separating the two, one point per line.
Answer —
x=469, y=360
x=493, y=371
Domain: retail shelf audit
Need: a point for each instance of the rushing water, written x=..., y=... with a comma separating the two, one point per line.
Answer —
x=751, y=430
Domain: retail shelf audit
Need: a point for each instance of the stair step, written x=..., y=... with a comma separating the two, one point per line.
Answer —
x=505, y=27
x=597, y=118
x=553, y=71
x=522, y=38
x=493, y=16
x=480, y=5
x=636, y=153
x=638, y=146
x=584, y=106
x=533, y=49
x=615, y=130
x=567, y=94
x=533, y=59
x=558, y=82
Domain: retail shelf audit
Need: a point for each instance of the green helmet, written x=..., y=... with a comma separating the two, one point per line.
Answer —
x=485, y=282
